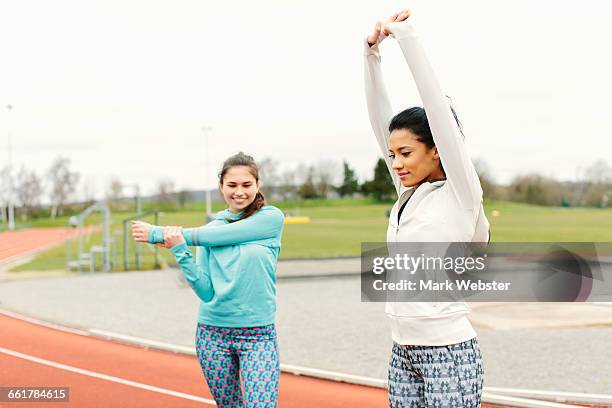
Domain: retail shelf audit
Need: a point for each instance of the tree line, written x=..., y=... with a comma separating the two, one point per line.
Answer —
x=592, y=187
x=26, y=189
x=326, y=179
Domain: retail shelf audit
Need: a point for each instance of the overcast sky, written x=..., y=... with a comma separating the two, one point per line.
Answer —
x=123, y=88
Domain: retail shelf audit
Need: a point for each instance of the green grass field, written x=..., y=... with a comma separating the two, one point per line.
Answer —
x=337, y=229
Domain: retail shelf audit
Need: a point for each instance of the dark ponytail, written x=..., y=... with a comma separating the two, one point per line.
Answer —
x=242, y=159
x=415, y=120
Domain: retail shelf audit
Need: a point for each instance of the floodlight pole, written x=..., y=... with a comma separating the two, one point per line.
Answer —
x=138, y=201
x=11, y=204
x=137, y=198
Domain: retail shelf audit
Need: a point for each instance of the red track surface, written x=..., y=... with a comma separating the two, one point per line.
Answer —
x=154, y=368
x=146, y=368
x=21, y=242
x=168, y=371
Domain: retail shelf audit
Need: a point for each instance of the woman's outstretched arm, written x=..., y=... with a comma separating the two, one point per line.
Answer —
x=265, y=224
x=379, y=107
x=460, y=172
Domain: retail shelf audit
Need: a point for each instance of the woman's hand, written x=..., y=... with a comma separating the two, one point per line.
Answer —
x=140, y=231
x=373, y=38
x=396, y=18
x=381, y=27
x=173, y=236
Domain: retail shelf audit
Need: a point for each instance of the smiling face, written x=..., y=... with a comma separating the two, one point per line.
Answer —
x=239, y=188
x=413, y=161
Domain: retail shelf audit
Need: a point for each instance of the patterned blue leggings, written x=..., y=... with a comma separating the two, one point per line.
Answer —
x=241, y=365
x=436, y=376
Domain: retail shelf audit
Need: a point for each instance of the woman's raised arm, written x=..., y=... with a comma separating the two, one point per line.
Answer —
x=379, y=107
x=460, y=172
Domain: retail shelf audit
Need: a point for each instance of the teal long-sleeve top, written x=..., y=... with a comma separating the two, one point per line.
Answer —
x=234, y=272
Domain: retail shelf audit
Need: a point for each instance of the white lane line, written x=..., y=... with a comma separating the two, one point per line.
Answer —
x=521, y=402
x=293, y=369
x=334, y=376
x=107, y=377
x=142, y=341
x=556, y=396
x=49, y=325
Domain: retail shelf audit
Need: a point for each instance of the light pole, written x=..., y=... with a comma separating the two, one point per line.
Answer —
x=206, y=130
x=137, y=198
x=11, y=205
x=138, y=202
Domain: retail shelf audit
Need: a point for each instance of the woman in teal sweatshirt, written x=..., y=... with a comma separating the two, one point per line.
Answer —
x=234, y=275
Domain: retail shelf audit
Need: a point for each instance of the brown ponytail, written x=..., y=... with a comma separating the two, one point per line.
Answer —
x=255, y=206
x=242, y=159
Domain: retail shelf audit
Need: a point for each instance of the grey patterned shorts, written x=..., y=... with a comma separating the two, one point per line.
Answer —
x=436, y=376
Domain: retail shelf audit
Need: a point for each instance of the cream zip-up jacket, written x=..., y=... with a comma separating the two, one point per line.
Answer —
x=443, y=211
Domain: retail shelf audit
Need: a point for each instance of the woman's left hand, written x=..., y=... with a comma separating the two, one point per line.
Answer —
x=173, y=236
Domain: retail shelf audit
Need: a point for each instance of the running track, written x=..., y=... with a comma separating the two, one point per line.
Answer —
x=22, y=242
x=103, y=373
x=142, y=368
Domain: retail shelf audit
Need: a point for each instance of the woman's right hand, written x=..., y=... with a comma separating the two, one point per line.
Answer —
x=140, y=231
x=381, y=30
x=400, y=16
